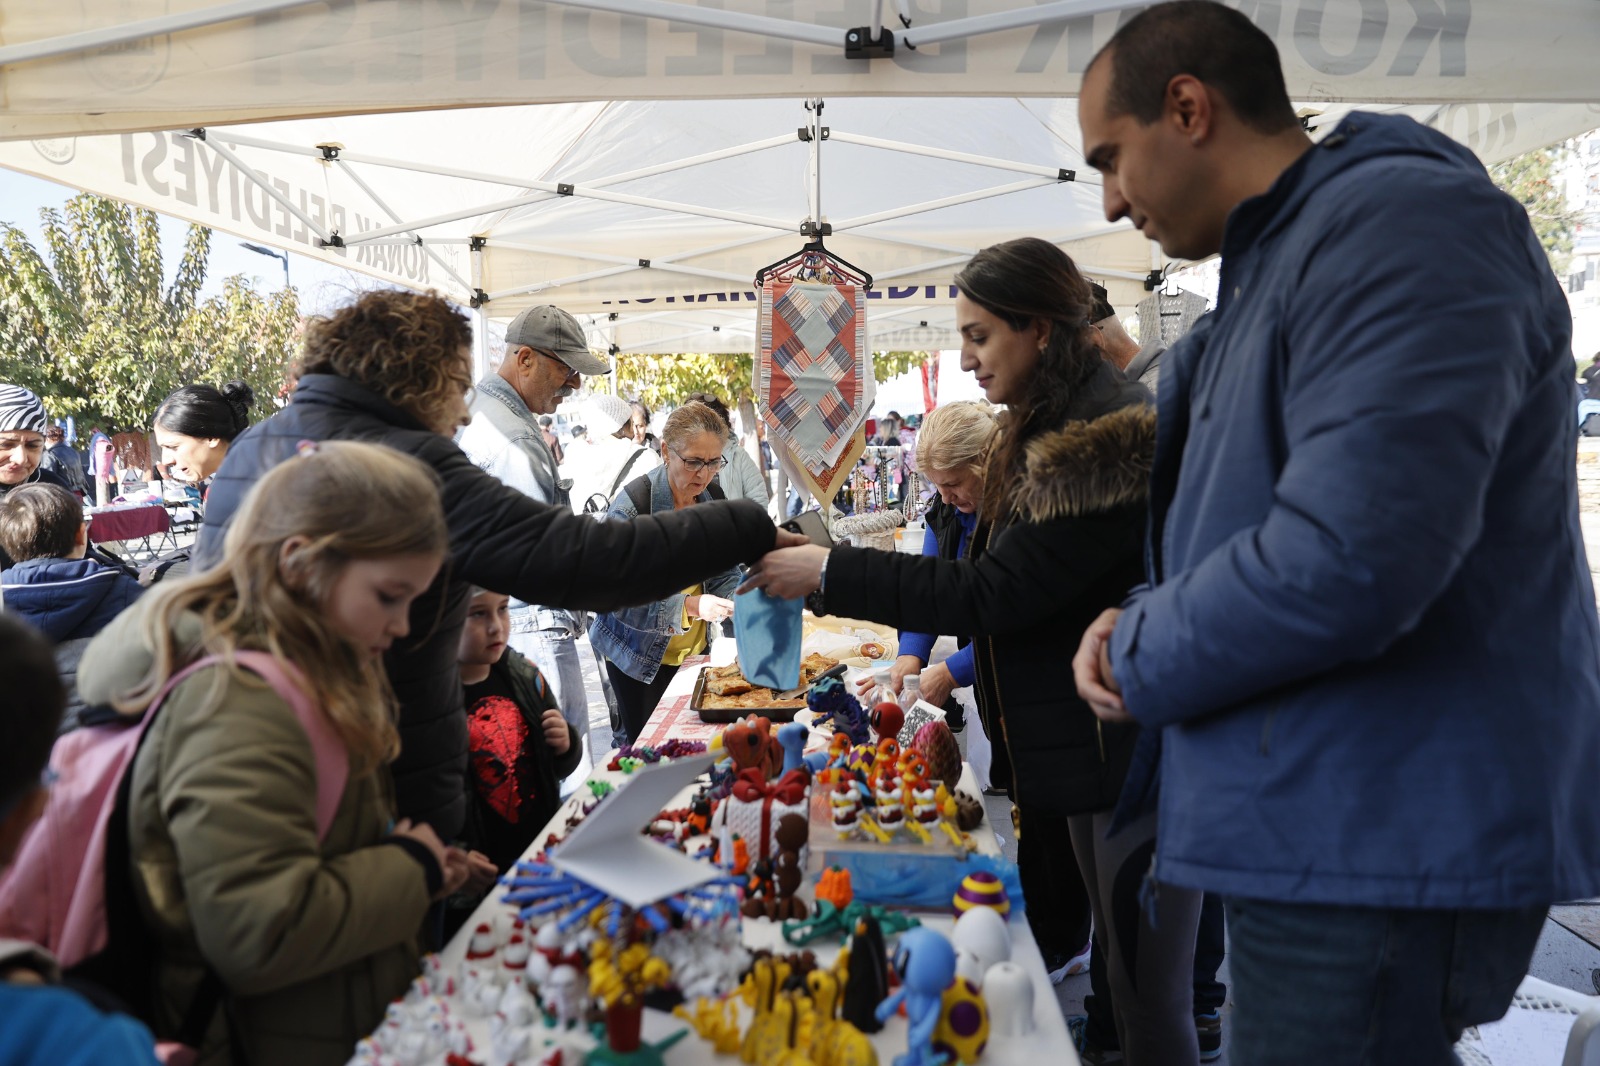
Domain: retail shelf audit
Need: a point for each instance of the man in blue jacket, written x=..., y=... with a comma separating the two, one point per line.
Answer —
x=1369, y=639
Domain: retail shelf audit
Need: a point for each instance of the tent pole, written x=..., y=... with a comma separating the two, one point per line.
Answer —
x=814, y=170
x=264, y=185
x=480, y=335
x=128, y=32
x=948, y=201
x=550, y=191
x=435, y=256
x=1037, y=169
x=555, y=283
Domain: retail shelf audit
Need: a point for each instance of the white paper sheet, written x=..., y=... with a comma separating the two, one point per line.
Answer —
x=607, y=850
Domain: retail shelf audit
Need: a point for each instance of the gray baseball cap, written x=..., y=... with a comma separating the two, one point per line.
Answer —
x=550, y=329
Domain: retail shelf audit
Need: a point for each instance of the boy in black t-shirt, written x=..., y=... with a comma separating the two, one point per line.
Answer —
x=521, y=746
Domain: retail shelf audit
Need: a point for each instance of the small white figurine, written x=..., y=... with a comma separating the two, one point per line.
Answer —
x=981, y=939
x=563, y=996
x=517, y=1005
x=1009, y=994
x=508, y=1044
x=483, y=944
x=480, y=995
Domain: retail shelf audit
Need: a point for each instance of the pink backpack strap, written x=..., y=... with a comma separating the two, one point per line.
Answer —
x=333, y=759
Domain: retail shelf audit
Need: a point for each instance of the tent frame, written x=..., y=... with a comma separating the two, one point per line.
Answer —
x=403, y=231
x=863, y=43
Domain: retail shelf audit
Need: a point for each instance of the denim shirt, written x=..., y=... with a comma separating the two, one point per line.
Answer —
x=635, y=638
x=504, y=440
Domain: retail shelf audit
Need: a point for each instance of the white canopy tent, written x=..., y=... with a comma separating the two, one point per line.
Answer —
x=650, y=217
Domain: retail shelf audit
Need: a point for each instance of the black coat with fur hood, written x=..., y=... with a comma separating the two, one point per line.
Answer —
x=1028, y=592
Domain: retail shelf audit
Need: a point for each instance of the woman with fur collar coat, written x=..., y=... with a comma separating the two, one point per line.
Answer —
x=1064, y=512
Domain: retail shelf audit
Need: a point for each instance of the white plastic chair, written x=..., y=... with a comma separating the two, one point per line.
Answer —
x=1583, y=1042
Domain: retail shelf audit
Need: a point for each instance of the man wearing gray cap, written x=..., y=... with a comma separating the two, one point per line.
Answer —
x=545, y=361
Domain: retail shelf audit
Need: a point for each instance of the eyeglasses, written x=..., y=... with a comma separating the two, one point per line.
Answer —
x=572, y=375
x=698, y=465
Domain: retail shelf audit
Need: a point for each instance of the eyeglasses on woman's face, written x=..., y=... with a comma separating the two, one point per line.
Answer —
x=700, y=465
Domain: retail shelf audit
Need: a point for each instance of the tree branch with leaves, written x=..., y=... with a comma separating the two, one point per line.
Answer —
x=91, y=324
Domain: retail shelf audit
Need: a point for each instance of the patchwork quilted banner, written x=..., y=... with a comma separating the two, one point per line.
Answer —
x=814, y=382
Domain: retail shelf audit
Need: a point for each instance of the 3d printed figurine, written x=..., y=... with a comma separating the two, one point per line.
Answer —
x=792, y=739
x=981, y=889
x=981, y=939
x=1009, y=993
x=868, y=976
x=926, y=964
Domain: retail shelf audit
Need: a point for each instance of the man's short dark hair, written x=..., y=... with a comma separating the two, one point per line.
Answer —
x=39, y=522
x=31, y=710
x=1215, y=44
x=545, y=420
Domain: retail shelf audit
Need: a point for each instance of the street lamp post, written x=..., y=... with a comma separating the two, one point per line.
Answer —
x=261, y=249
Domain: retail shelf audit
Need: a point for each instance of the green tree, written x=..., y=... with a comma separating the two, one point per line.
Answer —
x=92, y=325
x=1533, y=180
x=667, y=379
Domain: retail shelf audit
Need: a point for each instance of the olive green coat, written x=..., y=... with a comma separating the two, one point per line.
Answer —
x=312, y=940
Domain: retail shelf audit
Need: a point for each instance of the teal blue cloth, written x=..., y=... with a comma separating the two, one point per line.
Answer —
x=767, y=631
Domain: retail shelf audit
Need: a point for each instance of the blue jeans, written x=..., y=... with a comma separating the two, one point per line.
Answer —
x=1364, y=986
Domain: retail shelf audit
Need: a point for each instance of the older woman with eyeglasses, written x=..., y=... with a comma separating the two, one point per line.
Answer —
x=644, y=646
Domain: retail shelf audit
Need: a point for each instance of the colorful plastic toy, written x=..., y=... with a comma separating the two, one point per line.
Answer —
x=926, y=964
x=981, y=889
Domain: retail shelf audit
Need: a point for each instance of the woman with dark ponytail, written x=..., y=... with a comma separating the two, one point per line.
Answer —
x=1060, y=537
x=196, y=424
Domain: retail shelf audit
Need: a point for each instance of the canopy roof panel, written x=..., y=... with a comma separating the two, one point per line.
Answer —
x=84, y=67
x=649, y=217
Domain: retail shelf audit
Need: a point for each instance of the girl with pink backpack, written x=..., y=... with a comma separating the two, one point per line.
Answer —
x=259, y=816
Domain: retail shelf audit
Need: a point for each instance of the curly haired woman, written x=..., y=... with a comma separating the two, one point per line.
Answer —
x=394, y=368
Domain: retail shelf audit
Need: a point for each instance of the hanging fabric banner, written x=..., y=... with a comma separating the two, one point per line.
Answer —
x=814, y=383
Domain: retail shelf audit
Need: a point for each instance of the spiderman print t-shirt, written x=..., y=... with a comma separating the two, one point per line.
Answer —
x=505, y=768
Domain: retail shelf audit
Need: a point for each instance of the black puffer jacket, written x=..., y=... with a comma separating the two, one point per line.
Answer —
x=1027, y=592
x=499, y=539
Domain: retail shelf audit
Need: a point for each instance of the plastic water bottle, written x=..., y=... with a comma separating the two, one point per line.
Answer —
x=882, y=690
x=910, y=692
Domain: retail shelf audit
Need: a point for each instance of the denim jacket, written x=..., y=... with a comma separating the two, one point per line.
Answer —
x=635, y=638
x=505, y=441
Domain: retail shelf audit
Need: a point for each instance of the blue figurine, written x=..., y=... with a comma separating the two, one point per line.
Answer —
x=926, y=963
x=792, y=739
x=831, y=702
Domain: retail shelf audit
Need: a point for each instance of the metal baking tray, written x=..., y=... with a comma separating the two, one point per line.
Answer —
x=722, y=715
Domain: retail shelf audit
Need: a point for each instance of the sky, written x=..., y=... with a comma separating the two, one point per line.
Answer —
x=320, y=285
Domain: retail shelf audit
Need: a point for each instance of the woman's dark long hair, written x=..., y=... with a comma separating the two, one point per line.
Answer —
x=1022, y=282
x=206, y=411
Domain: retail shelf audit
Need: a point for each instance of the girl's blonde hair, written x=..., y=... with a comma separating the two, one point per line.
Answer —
x=350, y=501
x=956, y=437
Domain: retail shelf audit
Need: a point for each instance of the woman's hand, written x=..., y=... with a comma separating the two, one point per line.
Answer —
x=710, y=608
x=789, y=573
x=937, y=684
x=555, y=729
